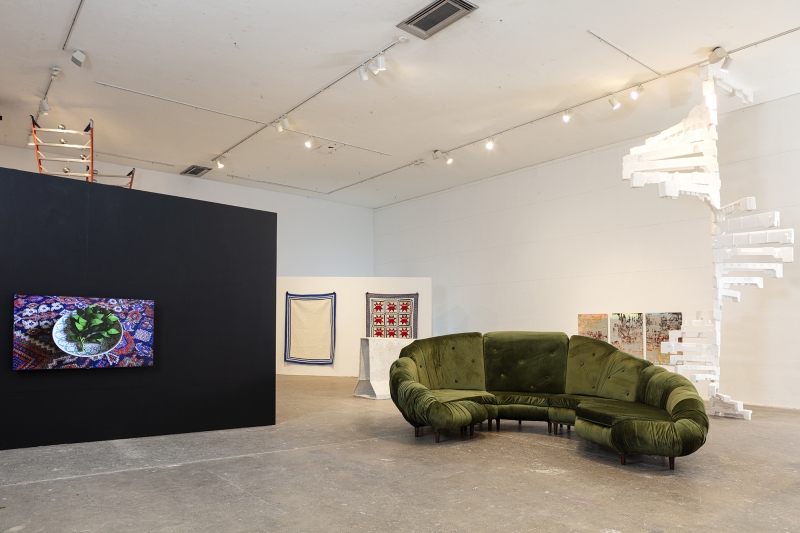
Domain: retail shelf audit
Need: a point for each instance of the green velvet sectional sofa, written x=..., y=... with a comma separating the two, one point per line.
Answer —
x=611, y=397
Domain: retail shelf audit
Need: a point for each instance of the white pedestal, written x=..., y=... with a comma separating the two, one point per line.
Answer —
x=377, y=356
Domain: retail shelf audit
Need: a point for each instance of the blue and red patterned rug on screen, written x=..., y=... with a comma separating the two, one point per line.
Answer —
x=35, y=316
x=392, y=316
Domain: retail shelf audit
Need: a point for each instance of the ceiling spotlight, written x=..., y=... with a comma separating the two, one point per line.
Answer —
x=726, y=65
x=309, y=142
x=448, y=158
x=44, y=107
x=221, y=161
x=372, y=68
x=65, y=170
x=614, y=102
x=381, y=60
x=285, y=123
x=637, y=92
x=30, y=139
x=362, y=72
x=78, y=58
x=278, y=126
x=567, y=116
x=62, y=127
x=717, y=55
x=490, y=144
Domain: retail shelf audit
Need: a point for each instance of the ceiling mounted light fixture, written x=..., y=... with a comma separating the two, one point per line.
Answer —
x=278, y=126
x=285, y=123
x=614, y=102
x=44, y=107
x=309, y=142
x=726, y=65
x=372, y=68
x=78, y=58
x=637, y=92
x=717, y=54
x=490, y=144
x=362, y=73
x=221, y=161
x=381, y=62
x=567, y=116
x=447, y=158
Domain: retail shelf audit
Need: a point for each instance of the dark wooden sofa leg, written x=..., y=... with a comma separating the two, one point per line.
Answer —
x=416, y=431
x=498, y=423
x=437, y=436
x=621, y=458
x=520, y=422
x=549, y=427
x=490, y=424
x=472, y=430
x=672, y=463
x=569, y=427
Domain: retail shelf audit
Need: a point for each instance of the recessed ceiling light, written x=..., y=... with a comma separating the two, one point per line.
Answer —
x=567, y=116
x=490, y=144
x=614, y=102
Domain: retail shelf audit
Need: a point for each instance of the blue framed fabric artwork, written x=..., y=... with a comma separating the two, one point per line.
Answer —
x=310, y=328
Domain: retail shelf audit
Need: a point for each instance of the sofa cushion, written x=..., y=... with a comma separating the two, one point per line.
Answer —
x=596, y=368
x=449, y=361
x=540, y=399
x=608, y=413
x=524, y=361
x=452, y=395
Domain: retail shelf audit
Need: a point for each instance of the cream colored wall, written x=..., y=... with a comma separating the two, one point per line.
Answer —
x=351, y=309
x=533, y=248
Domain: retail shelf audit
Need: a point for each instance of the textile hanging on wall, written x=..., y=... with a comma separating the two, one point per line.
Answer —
x=392, y=316
x=310, y=328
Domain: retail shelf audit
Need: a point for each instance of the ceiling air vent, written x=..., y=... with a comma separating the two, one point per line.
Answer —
x=195, y=170
x=436, y=17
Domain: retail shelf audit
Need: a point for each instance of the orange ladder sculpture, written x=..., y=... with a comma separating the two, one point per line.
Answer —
x=85, y=156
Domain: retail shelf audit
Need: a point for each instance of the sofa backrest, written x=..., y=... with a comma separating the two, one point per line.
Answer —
x=449, y=361
x=525, y=361
x=597, y=368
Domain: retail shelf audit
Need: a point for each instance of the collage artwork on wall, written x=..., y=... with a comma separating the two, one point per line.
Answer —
x=57, y=332
x=639, y=334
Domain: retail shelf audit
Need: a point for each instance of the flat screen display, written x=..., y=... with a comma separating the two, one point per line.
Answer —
x=60, y=332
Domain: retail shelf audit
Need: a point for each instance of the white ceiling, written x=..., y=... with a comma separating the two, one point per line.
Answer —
x=507, y=63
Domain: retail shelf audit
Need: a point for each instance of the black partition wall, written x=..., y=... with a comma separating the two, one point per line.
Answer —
x=209, y=268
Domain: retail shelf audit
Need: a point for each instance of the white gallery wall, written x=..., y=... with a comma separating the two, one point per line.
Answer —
x=315, y=237
x=532, y=249
x=351, y=316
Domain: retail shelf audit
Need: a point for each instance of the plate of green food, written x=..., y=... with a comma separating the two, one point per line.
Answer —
x=88, y=332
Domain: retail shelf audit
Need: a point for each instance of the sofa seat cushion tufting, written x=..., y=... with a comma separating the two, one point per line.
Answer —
x=570, y=401
x=540, y=399
x=454, y=395
x=608, y=413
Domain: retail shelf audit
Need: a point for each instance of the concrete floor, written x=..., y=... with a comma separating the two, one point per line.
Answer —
x=339, y=463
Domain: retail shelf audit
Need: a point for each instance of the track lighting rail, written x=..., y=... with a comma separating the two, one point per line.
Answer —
x=589, y=101
x=335, y=141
